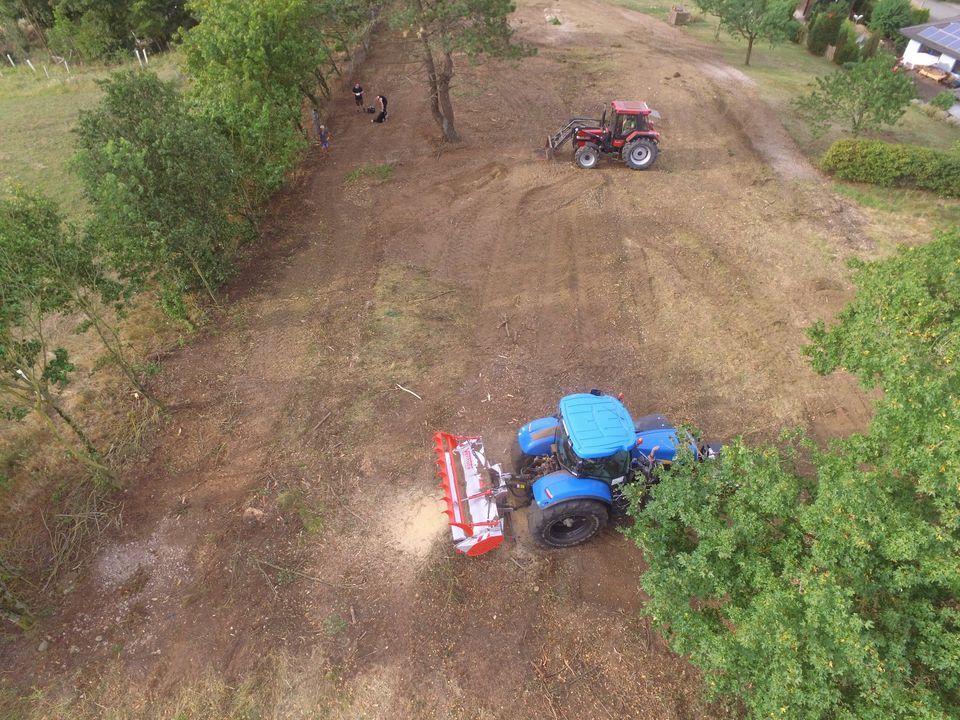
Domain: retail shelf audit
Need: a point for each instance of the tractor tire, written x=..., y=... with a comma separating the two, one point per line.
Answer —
x=640, y=154
x=567, y=523
x=587, y=157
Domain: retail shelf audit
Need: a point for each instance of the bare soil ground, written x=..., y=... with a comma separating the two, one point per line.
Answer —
x=281, y=546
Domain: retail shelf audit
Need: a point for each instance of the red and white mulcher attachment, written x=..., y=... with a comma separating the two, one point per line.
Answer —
x=468, y=492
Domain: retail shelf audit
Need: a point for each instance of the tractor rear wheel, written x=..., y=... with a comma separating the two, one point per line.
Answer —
x=568, y=523
x=640, y=154
x=587, y=157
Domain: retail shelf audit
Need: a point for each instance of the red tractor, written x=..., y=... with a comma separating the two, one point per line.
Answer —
x=629, y=136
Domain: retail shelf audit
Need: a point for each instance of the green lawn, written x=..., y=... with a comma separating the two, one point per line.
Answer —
x=37, y=115
x=785, y=72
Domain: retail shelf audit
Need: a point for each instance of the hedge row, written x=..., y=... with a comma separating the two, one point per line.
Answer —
x=880, y=163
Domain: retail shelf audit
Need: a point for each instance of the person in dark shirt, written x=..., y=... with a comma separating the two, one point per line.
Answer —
x=358, y=96
x=323, y=135
x=382, y=116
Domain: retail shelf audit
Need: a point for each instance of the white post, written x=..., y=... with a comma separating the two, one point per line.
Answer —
x=12, y=63
x=145, y=58
x=45, y=71
x=66, y=65
x=31, y=65
x=137, y=53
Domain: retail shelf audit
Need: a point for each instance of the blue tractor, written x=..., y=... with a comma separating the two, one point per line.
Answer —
x=570, y=468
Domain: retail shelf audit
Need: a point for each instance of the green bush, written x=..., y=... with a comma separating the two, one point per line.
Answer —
x=889, y=16
x=823, y=32
x=873, y=44
x=847, y=48
x=919, y=16
x=886, y=164
x=944, y=100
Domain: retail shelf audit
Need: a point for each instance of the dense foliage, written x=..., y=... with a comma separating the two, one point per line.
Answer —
x=889, y=16
x=870, y=94
x=944, y=100
x=161, y=182
x=251, y=65
x=888, y=164
x=823, y=31
x=812, y=583
x=95, y=29
x=40, y=265
x=848, y=51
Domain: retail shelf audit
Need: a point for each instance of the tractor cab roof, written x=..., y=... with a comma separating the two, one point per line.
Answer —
x=598, y=425
x=630, y=107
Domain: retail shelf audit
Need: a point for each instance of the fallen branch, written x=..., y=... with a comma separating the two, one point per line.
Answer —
x=407, y=390
x=432, y=297
x=322, y=421
x=266, y=578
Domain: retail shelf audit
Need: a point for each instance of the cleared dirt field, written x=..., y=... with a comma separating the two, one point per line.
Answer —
x=282, y=548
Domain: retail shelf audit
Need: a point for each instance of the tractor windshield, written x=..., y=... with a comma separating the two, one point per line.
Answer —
x=608, y=468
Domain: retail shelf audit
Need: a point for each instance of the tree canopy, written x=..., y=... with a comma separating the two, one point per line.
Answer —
x=867, y=96
x=888, y=16
x=823, y=583
x=98, y=29
x=161, y=182
x=251, y=64
x=766, y=20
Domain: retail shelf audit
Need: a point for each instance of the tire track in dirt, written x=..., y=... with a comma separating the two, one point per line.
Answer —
x=686, y=287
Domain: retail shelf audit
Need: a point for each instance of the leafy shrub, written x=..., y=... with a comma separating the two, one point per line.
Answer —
x=847, y=48
x=919, y=16
x=823, y=32
x=873, y=44
x=162, y=184
x=944, y=100
x=887, y=164
x=890, y=15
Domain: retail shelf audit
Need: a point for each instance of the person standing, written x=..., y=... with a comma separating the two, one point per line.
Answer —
x=324, y=136
x=382, y=116
x=358, y=96
x=315, y=116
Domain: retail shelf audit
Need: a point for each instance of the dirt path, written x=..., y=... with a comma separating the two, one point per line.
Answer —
x=287, y=508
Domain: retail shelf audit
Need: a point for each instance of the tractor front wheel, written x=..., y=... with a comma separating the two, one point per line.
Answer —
x=587, y=157
x=640, y=154
x=568, y=523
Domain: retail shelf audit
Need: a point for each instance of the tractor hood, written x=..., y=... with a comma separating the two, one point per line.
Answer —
x=657, y=436
x=598, y=425
x=590, y=132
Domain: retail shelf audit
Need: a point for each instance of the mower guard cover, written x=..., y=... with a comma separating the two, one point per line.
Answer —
x=469, y=496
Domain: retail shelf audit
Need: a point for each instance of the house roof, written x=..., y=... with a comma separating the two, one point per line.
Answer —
x=943, y=35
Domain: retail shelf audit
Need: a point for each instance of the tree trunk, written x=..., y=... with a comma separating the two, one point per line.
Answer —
x=90, y=456
x=322, y=82
x=750, y=40
x=203, y=279
x=446, y=107
x=440, y=106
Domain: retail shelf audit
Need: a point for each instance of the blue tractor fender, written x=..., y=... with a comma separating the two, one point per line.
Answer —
x=561, y=485
x=537, y=436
